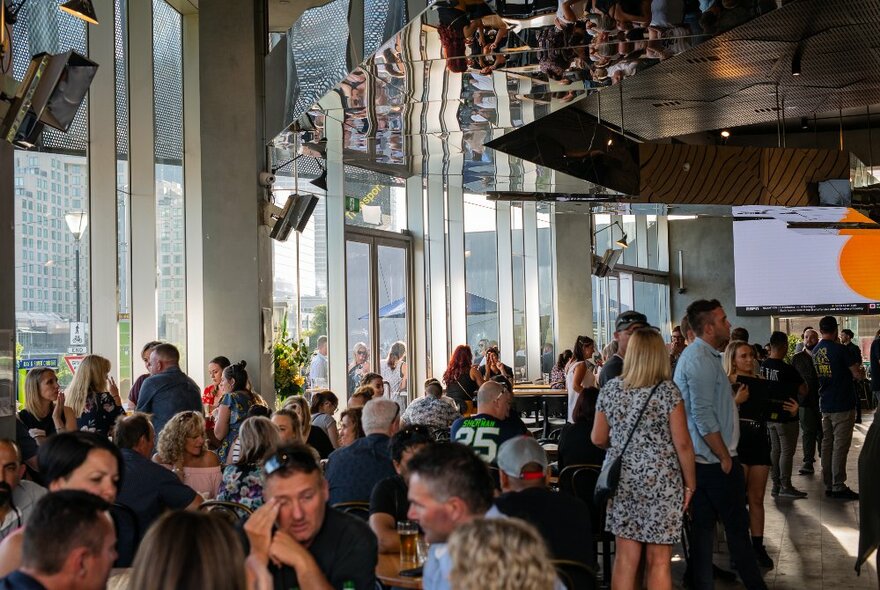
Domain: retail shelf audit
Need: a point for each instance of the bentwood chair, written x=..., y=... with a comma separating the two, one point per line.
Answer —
x=233, y=512
x=358, y=509
x=575, y=575
x=580, y=481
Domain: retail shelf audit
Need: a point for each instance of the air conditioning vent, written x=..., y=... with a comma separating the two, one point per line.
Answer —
x=667, y=104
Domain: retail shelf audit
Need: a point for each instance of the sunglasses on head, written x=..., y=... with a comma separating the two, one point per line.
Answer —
x=285, y=458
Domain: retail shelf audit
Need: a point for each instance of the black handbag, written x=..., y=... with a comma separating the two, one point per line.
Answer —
x=609, y=477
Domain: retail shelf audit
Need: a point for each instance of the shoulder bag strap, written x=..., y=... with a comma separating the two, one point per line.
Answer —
x=639, y=419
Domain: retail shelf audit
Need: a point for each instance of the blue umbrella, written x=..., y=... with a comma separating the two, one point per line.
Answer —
x=474, y=304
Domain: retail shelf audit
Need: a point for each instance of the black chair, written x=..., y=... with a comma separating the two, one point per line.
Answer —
x=358, y=509
x=527, y=406
x=233, y=512
x=128, y=534
x=575, y=575
x=555, y=412
x=580, y=481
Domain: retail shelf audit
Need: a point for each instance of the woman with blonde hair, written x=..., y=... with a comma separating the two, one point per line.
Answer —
x=177, y=542
x=44, y=411
x=499, y=554
x=753, y=449
x=93, y=396
x=640, y=419
x=183, y=448
x=314, y=437
x=289, y=426
x=243, y=481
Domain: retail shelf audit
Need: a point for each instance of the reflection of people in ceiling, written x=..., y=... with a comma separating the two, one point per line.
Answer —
x=459, y=21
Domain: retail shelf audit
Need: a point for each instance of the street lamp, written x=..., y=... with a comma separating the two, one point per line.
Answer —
x=77, y=221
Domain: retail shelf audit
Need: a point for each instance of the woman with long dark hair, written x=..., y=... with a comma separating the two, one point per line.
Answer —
x=324, y=405
x=211, y=395
x=579, y=374
x=462, y=377
x=575, y=446
x=234, y=406
x=557, y=373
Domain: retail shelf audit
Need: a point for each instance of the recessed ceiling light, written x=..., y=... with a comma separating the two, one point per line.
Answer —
x=725, y=134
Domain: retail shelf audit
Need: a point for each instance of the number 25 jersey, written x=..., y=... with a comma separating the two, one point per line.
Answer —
x=485, y=433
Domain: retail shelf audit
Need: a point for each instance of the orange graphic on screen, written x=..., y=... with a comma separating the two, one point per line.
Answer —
x=859, y=257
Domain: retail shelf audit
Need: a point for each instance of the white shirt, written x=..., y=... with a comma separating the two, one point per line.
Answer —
x=24, y=497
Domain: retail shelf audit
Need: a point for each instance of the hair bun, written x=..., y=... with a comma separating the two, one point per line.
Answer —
x=242, y=364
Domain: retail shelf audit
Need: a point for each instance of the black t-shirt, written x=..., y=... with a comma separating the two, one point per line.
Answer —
x=345, y=550
x=576, y=448
x=833, y=361
x=485, y=433
x=319, y=441
x=611, y=369
x=562, y=520
x=781, y=372
x=46, y=424
x=389, y=497
x=463, y=388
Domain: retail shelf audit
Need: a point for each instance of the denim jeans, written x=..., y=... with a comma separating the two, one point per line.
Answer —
x=783, y=444
x=837, y=431
x=811, y=427
x=721, y=496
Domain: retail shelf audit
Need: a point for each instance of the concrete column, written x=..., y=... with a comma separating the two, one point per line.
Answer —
x=102, y=192
x=574, y=303
x=707, y=254
x=237, y=255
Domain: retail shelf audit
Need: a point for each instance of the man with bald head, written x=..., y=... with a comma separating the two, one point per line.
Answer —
x=489, y=427
x=810, y=417
x=17, y=496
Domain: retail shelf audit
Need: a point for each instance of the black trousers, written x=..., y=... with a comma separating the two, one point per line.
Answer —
x=721, y=496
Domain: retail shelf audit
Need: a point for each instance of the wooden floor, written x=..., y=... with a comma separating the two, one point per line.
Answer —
x=813, y=541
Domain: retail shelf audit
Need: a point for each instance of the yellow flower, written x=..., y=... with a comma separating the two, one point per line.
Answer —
x=299, y=380
x=282, y=364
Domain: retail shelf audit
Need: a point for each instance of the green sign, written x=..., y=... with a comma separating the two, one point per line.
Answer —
x=352, y=204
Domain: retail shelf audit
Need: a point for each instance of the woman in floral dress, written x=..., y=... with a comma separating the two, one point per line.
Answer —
x=243, y=481
x=234, y=406
x=93, y=396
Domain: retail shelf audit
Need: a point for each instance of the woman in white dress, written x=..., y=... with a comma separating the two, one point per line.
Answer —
x=580, y=373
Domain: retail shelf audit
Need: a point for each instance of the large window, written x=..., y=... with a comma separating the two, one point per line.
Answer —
x=123, y=195
x=545, y=285
x=51, y=186
x=170, y=226
x=481, y=270
x=520, y=364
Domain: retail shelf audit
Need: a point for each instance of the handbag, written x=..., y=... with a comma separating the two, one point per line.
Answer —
x=609, y=477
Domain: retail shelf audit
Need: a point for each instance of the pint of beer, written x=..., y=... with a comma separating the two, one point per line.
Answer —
x=409, y=543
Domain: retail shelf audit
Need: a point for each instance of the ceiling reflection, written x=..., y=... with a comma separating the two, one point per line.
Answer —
x=464, y=73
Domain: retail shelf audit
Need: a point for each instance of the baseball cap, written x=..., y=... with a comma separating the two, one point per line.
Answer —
x=828, y=324
x=514, y=454
x=630, y=318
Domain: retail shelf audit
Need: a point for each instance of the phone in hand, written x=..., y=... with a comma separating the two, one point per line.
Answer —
x=415, y=572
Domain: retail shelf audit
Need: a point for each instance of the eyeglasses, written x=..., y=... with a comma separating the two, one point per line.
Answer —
x=286, y=458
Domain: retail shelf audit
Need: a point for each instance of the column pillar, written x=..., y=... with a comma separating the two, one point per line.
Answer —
x=237, y=254
x=574, y=302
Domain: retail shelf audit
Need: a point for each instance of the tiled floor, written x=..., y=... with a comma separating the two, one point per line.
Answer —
x=814, y=540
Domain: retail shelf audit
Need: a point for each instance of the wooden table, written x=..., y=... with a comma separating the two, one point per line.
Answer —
x=388, y=572
x=543, y=393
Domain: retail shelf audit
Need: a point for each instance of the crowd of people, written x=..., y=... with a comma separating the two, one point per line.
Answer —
x=87, y=485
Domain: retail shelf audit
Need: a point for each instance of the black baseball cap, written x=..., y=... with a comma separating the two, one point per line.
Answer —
x=630, y=318
x=828, y=324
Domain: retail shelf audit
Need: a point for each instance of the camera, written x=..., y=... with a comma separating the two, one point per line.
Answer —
x=267, y=179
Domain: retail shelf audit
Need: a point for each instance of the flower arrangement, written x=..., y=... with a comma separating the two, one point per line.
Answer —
x=290, y=356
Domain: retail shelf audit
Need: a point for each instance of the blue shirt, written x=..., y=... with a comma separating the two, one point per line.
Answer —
x=167, y=394
x=708, y=400
x=832, y=361
x=148, y=489
x=352, y=471
x=19, y=580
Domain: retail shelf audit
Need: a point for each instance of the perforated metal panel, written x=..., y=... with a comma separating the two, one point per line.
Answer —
x=41, y=27
x=120, y=74
x=168, y=82
x=732, y=80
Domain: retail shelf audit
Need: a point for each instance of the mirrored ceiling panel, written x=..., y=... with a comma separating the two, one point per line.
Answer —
x=465, y=73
